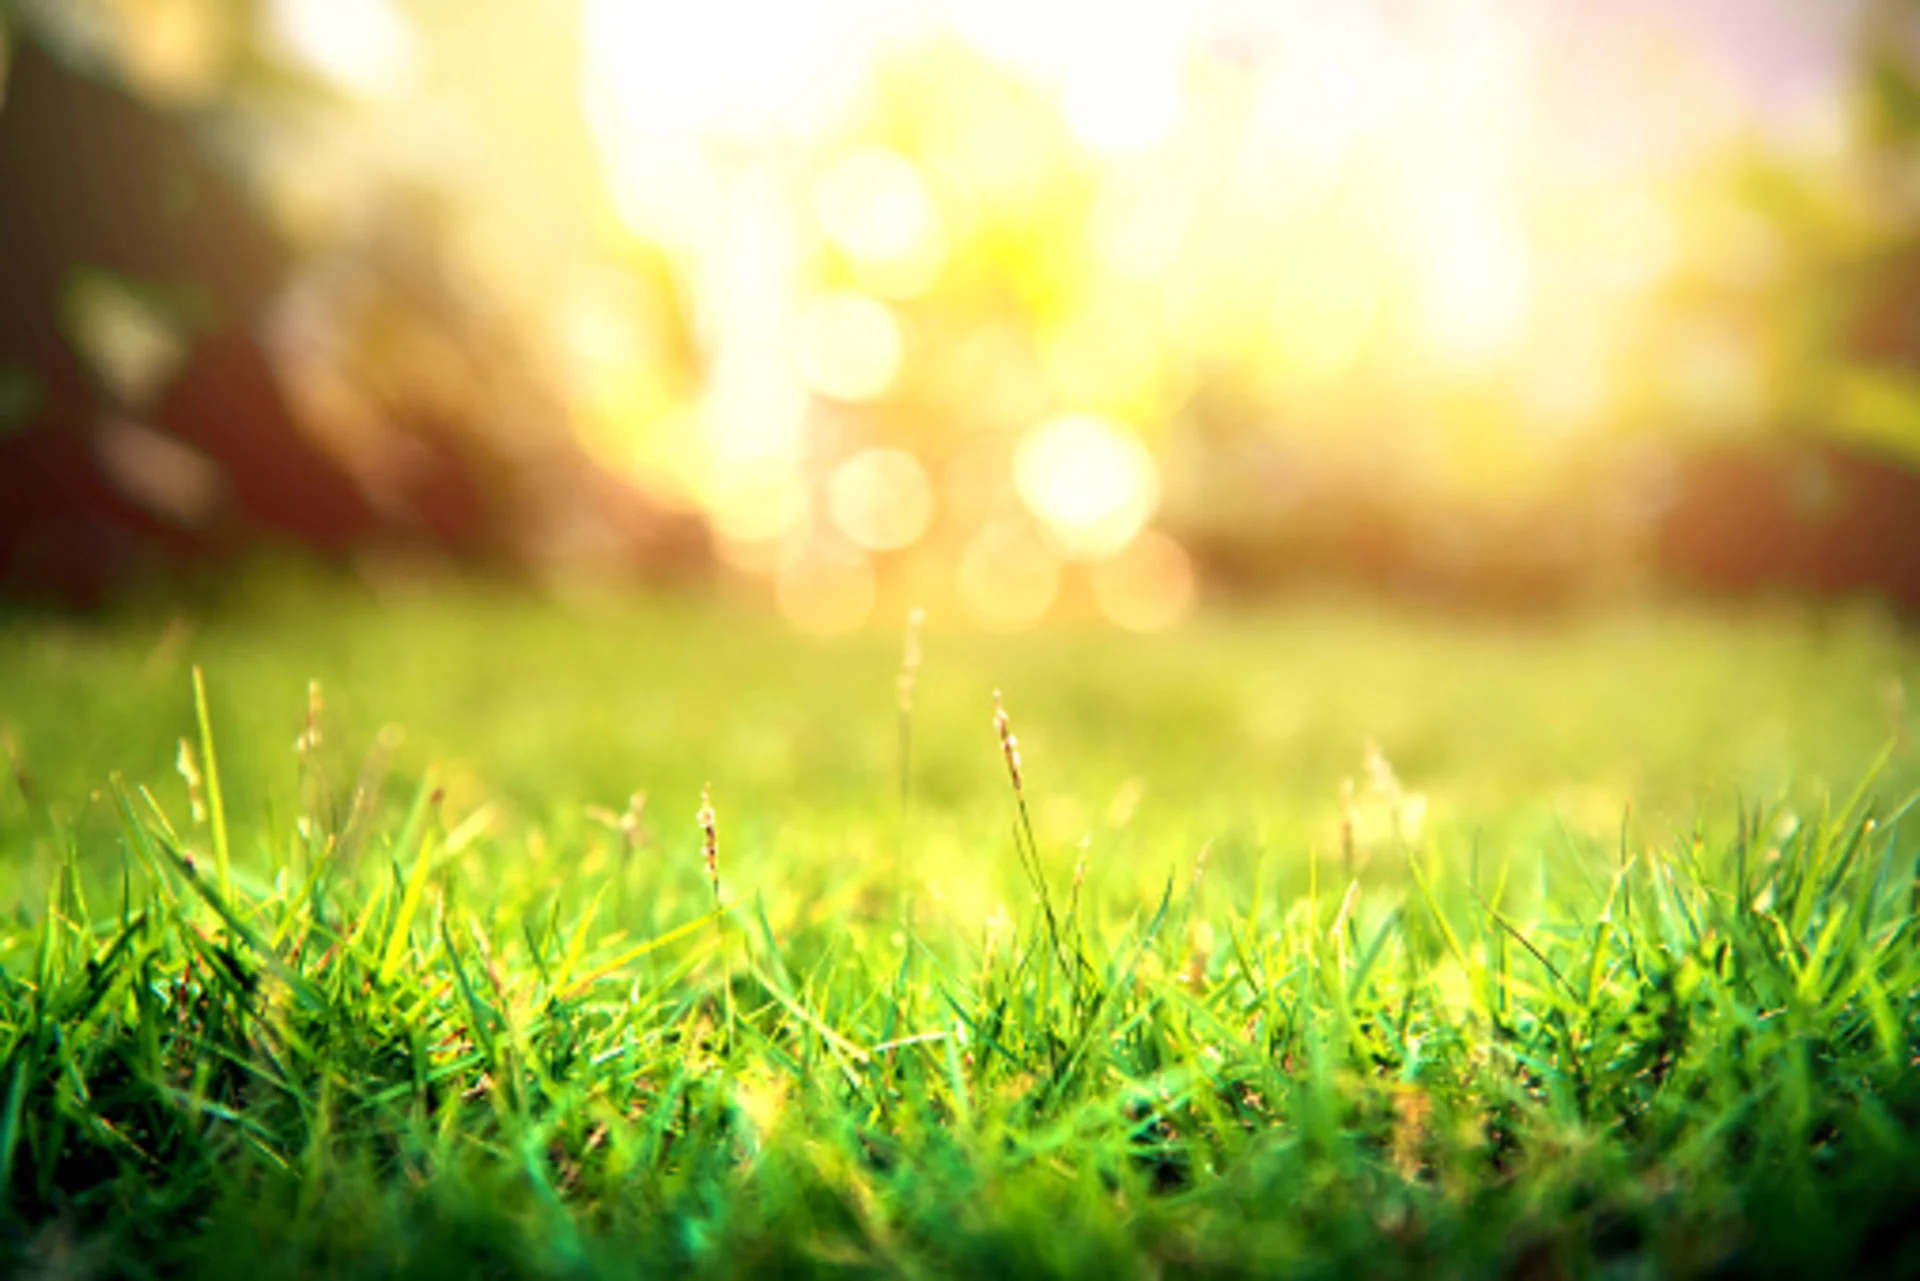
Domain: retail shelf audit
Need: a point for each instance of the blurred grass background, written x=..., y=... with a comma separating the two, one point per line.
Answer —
x=1239, y=730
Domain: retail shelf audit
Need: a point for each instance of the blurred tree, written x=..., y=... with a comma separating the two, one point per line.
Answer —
x=1877, y=382
x=145, y=419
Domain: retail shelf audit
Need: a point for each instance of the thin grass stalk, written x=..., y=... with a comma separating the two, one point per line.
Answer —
x=710, y=854
x=1023, y=838
x=216, y=805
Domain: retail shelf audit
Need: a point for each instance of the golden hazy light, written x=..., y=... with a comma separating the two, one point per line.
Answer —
x=754, y=409
x=881, y=499
x=1089, y=480
x=1148, y=586
x=847, y=346
x=874, y=207
x=1327, y=310
x=755, y=501
x=175, y=49
x=827, y=589
x=1476, y=278
x=1140, y=223
x=1008, y=577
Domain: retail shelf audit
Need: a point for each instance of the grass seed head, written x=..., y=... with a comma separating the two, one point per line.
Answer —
x=189, y=769
x=309, y=739
x=710, y=839
x=1380, y=776
x=1009, y=745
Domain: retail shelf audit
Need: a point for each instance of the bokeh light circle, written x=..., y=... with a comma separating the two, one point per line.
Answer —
x=848, y=346
x=1089, y=481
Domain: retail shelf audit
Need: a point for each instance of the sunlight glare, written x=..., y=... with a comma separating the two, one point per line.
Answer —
x=1326, y=311
x=367, y=46
x=724, y=69
x=1126, y=101
x=1477, y=279
x=1124, y=88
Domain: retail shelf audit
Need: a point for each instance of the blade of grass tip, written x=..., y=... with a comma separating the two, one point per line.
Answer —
x=1886, y=1025
x=634, y=953
x=101, y=972
x=576, y=948
x=1830, y=861
x=1521, y=938
x=74, y=896
x=1602, y=935
x=401, y=926
x=957, y=1078
x=1867, y=896
x=1372, y=954
x=240, y=930
x=1432, y=901
x=846, y=1051
x=216, y=802
x=46, y=961
x=482, y=1016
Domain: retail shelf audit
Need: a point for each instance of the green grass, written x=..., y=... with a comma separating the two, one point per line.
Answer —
x=1613, y=971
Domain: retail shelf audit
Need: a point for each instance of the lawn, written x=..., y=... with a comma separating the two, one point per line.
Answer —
x=1308, y=940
